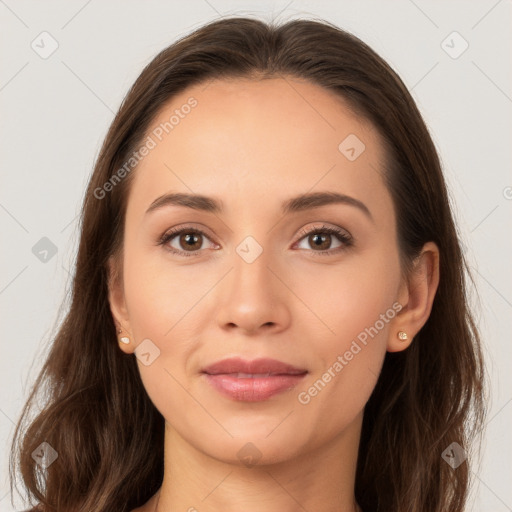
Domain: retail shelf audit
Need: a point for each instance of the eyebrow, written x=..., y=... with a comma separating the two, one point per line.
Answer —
x=292, y=205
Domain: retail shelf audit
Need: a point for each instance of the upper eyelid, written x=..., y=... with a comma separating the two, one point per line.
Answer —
x=306, y=231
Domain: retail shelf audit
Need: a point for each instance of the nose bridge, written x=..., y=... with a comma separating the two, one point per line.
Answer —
x=252, y=297
x=252, y=239
x=251, y=260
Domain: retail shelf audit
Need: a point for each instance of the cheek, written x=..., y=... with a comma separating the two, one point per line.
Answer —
x=344, y=299
x=350, y=314
x=348, y=361
x=156, y=297
x=162, y=304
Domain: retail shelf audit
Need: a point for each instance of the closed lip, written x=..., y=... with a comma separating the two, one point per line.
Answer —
x=262, y=366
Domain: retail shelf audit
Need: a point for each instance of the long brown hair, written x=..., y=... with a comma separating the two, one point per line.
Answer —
x=97, y=415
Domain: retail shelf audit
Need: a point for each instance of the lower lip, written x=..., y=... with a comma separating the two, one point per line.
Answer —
x=253, y=389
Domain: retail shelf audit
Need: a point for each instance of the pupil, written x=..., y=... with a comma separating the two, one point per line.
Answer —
x=319, y=239
x=190, y=239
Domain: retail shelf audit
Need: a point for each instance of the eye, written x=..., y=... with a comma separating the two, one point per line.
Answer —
x=323, y=236
x=189, y=238
x=190, y=241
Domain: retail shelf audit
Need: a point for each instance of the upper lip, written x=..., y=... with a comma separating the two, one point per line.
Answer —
x=263, y=365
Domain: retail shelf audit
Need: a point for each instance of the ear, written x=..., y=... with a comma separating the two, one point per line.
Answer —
x=416, y=297
x=117, y=303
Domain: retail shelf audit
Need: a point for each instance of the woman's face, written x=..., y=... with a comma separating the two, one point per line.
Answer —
x=259, y=277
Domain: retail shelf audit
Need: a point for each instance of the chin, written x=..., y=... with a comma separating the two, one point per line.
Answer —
x=255, y=448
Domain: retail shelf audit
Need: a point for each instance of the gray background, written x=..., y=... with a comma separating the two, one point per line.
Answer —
x=56, y=111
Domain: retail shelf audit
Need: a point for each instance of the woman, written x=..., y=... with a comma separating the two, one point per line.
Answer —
x=269, y=305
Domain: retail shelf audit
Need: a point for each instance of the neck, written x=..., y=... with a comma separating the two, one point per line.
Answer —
x=320, y=479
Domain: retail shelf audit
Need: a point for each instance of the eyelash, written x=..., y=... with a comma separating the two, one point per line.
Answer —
x=342, y=236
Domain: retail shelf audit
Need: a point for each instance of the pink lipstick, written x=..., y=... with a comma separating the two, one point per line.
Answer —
x=252, y=381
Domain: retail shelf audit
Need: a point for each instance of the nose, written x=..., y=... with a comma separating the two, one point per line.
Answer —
x=252, y=296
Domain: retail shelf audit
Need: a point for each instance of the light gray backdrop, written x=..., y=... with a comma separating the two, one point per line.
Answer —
x=66, y=67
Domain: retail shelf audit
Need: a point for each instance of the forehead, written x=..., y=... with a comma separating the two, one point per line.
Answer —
x=254, y=137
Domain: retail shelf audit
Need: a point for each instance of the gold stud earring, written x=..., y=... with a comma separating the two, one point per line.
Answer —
x=402, y=336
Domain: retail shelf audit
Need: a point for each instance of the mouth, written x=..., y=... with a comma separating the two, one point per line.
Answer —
x=252, y=381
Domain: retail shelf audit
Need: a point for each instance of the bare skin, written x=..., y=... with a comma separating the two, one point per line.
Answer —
x=253, y=145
